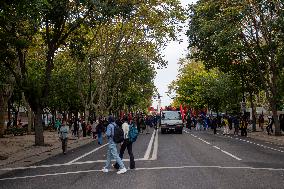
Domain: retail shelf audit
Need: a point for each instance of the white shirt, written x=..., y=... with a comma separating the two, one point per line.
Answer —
x=125, y=128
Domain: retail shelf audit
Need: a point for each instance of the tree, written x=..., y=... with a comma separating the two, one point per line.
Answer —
x=55, y=21
x=36, y=34
x=226, y=33
x=200, y=88
x=6, y=89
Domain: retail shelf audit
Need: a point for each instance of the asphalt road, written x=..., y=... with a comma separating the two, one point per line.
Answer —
x=194, y=159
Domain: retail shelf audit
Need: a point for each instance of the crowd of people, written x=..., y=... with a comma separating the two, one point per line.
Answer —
x=227, y=123
x=130, y=125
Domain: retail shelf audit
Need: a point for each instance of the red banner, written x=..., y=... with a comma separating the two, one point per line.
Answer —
x=182, y=112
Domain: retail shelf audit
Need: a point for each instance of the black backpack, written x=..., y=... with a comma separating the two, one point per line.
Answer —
x=118, y=134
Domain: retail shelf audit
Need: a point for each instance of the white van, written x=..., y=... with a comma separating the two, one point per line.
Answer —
x=171, y=121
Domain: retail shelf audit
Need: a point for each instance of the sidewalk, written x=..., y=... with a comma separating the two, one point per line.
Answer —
x=19, y=151
x=262, y=135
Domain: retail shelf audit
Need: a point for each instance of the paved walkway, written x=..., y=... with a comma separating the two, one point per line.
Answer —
x=18, y=151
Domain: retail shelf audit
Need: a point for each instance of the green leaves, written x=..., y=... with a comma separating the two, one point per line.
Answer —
x=199, y=88
x=243, y=37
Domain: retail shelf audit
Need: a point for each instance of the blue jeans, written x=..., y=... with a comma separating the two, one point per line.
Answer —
x=100, y=138
x=112, y=154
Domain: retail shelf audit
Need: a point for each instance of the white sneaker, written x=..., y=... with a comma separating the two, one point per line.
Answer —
x=105, y=170
x=121, y=171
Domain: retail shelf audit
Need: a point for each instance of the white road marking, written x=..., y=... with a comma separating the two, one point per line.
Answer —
x=261, y=145
x=155, y=150
x=227, y=153
x=148, y=151
x=86, y=154
x=64, y=164
x=204, y=141
x=231, y=155
x=216, y=147
x=141, y=169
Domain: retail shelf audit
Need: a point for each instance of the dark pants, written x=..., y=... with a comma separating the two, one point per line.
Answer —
x=215, y=129
x=84, y=132
x=100, y=138
x=64, y=145
x=244, y=132
x=76, y=132
x=128, y=145
x=269, y=129
x=236, y=132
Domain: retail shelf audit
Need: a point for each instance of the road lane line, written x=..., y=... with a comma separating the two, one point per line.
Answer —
x=216, y=147
x=204, y=141
x=64, y=164
x=227, y=153
x=141, y=169
x=231, y=155
x=155, y=150
x=86, y=154
x=260, y=145
x=148, y=151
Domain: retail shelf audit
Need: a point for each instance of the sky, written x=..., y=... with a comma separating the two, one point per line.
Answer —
x=173, y=52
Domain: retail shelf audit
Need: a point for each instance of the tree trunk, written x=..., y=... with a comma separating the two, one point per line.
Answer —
x=2, y=115
x=9, y=111
x=30, y=121
x=273, y=99
x=39, y=138
x=26, y=104
x=87, y=114
x=253, y=112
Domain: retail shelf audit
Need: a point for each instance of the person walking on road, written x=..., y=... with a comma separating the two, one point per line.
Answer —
x=99, y=131
x=84, y=127
x=225, y=125
x=199, y=124
x=269, y=126
x=63, y=135
x=112, y=150
x=215, y=124
x=148, y=124
x=188, y=121
x=244, y=125
x=236, y=122
x=127, y=143
x=261, y=121
x=76, y=127
x=94, y=126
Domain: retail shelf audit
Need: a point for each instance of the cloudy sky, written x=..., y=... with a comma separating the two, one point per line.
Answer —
x=173, y=52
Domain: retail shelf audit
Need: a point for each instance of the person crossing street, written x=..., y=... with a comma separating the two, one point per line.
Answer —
x=127, y=143
x=112, y=150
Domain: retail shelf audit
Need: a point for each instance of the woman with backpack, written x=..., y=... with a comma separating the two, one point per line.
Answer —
x=130, y=136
